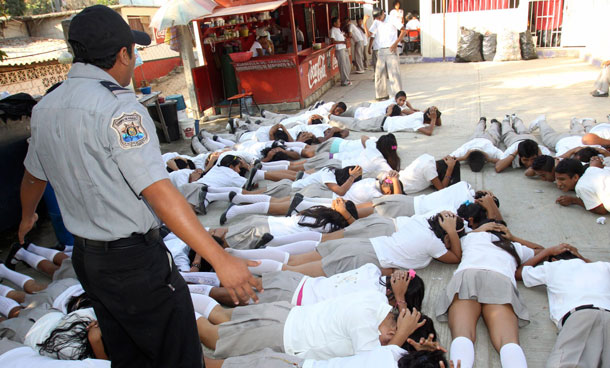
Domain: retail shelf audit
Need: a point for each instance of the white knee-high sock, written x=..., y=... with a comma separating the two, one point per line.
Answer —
x=203, y=304
x=259, y=175
x=200, y=289
x=300, y=247
x=511, y=356
x=69, y=254
x=226, y=142
x=213, y=145
x=257, y=254
x=43, y=251
x=69, y=248
x=28, y=257
x=211, y=197
x=268, y=167
x=255, y=208
x=4, y=290
x=224, y=189
x=204, y=278
x=7, y=305
x=251, y=198
x=16, y=278
x=266, y=266
x=293, y=238
x=462, y=349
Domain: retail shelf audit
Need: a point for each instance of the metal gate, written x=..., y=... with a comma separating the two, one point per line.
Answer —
x=545, y=21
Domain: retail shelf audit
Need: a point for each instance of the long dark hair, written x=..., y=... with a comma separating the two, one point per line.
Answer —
x=341, y=175
x=279, y=156
x=387, y=145
x=474, y=211
x=73, y=339
x=422, y=332
x=414, y=296
x=504, y=243
x=323, y=216
x=441, y=170
x=82, y=301
x=438, y=230
x=423, y=359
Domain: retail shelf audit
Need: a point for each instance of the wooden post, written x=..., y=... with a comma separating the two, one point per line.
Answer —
x=293, y=29
x=188, y=62
x=327, y=21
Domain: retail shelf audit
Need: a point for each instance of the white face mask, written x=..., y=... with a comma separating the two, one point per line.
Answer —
x=139, y=60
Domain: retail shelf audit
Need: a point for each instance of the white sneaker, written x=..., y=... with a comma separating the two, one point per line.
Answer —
x=535, y=125
x=359, y=72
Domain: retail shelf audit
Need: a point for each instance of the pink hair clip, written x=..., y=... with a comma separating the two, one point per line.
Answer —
x=411, y=273
x=394, y=148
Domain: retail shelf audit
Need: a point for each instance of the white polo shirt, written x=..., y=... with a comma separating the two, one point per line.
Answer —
x=337, y=35
x=386, y=31
x=594, y=188
x=419, y=174
x=357, y=34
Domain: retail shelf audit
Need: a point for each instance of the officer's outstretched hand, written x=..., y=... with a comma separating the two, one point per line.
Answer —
x=237, y=279
x=25, y=226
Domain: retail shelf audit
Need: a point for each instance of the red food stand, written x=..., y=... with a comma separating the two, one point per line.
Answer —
x=292, y=77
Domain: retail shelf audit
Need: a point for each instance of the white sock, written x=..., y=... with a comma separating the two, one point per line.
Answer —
x=251, y=198
x=16, y=278
x=203, y=304
x=462, y=349
x=255, y=208
x=200, y=289
x=226, y=142
x=43, y=251
x=300, y=247
x=256, y=254
x=204, y=278
x=266, y=266
x=224, y=189
x=211, y=197
x=69, y=254
x=268, y=167
x=259, y=175
x=4, y=290
x=69, y=248
x=293, y=238
x=511, y=356
x=213, y=145
x=28, y=257
x=7, y=305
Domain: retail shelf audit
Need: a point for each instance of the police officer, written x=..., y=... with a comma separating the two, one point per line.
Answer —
x=97, y=146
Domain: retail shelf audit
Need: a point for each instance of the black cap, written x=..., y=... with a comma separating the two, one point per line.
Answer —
x=377, y=12
x=102, y=31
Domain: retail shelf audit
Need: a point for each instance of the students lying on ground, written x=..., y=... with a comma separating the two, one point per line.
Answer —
x=367, y=110
x=43, y=259
x=418, y=240
x=303, y=117
x=592, y=186
x=522, y=147
x=598, y=134
x=484, y=284
x=544, y=166
x=482, y=146
x=579, y=304
x=566, y=141
x=14, y=355
x=485, y=208
x=393, y=121
x=213, y=142
x=424, y=172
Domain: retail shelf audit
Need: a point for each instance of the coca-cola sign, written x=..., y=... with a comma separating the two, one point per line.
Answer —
x=317, y=71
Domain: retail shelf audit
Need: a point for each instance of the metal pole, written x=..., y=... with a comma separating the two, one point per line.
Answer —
x=444, y=10
x=293, y=27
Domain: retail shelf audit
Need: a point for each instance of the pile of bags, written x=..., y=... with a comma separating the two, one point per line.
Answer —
x=505, y=46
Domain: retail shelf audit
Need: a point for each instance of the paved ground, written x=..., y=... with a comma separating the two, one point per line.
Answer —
x=464, y=92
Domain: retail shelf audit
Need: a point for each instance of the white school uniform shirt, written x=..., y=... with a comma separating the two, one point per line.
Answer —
x=571, y=283
x=601, y=130
x=262, y=134
x=363, y=191
x=322, y=177
x=317, y=289
x=337, y=35
x=252, y=147
x=350, y=145
x=383, y=357
x=338, y=327
x=413, y=245
x=179, y=251
x=413, y=24
x=370, y=159
x=513, y=148
x=447, y=199
x=567, y=143
x=593, y=188
x=280, y=226
x=417, y=176
x=61, y=301
x=357, y=34
x=254, y=48
x=168, y=156
x=245, y=155
x=404, y=123
x=375, y=109
x=478, y=252
x=27, y=357
x=386, y=31
x=222, y=176
x=180, y=177
x=479, y=144
x=316, y=129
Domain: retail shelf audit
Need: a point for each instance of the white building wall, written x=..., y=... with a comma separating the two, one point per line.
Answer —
x=597, y=36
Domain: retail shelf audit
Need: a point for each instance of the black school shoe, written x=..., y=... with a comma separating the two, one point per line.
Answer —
x=296, y=200
x=598, y=94
x=266, y=238
x=250, y=183
x=203, y=193
x=10, y=261
x=223, y=217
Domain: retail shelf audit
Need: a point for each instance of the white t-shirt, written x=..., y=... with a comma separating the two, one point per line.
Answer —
x=513, y=148
x=413, y=24
x=412, y=246
x=384, y=356
x=316, y=129
x=478, y=252
x=375, y=109
x=254, y=148
x=601, y=130
x=342, y=326
x=386, y=32
x=280, y=226
x=571, y=283
x=262, y=134
x=397, y=14
x=357, y=34
x=479, y=144
x=363, y=191
x=322, y=176
x=567, y=143
x=594, y=188
x=27, y=357
x=370, y=159
x=317, y=289
x=449, y=199
x=337, y=35
x=222, y=176
x=254, y=48
x=180, y=177
x=168, y=156
x=404, y=123
x=417, y=176
x=351, y=145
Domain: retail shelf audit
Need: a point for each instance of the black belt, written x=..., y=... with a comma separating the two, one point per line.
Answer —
x=134, y=239
x=587, y=306
x=383, y=122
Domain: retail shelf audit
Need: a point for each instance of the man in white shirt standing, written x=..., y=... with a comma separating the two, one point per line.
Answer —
x=358, y=38
x=385, y=30
x=338, y=38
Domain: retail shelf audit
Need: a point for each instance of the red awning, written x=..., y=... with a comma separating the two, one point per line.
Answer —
x=243, y=9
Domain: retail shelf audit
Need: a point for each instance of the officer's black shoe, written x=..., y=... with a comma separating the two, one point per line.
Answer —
x=231, y=196
x=299, y=175
x=250, y=183
x=10, y=261
x=266, y=238
x=201, y=207
x=296, y=200
x=232, y=125
x=223, y=217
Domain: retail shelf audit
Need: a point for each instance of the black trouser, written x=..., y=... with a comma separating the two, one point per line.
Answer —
x=142, y=303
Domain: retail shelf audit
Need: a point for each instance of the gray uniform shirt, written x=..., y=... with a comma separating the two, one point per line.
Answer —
x=97, y=146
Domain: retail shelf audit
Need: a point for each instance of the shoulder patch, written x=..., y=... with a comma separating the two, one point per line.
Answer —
x=130, y=130
x=115, y=88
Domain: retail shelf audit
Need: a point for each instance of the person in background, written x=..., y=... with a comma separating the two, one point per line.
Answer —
x=360, y=23
x=300, y=37
x=603, y=81
x=262, y=46
x=358, y=37
x=412, y=22
x=397, y=13
x=338, y=39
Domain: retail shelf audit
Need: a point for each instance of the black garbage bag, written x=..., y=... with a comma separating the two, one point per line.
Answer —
x=528, y=49
x=490, y=41
x=469, y=46
x=17, y=105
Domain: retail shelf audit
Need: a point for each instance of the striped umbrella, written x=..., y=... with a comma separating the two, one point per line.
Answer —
x=181, y=12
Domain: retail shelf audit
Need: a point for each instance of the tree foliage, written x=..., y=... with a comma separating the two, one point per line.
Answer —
x=12, y=7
